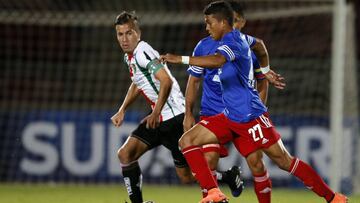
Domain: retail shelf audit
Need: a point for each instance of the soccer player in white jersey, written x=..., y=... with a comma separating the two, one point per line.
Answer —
x=164, y=125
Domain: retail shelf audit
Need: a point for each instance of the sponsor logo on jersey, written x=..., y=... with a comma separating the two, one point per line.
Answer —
x=216, y=78
x=204, y=122
x=264, y=141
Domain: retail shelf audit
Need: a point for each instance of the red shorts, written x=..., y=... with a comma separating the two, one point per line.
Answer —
x=247, y=137
x=221, y=149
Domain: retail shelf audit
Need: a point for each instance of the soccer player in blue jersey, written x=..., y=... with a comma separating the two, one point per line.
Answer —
x=211, y=104
x=245, y=120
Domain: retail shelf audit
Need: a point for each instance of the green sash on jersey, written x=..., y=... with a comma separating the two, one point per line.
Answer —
x=154, y=66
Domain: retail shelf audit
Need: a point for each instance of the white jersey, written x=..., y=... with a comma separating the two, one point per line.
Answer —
x=143, y=65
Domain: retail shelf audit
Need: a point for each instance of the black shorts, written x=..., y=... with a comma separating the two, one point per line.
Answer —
x=167, y=134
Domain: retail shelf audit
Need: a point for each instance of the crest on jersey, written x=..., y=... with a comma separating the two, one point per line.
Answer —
x=216, y=78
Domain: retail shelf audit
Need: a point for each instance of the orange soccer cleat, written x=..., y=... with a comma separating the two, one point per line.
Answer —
x=214, y=196
x=339, y=198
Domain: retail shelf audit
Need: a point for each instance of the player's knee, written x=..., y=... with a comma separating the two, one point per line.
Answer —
x=124, y=156
x=255, y=164
x=185, y=141
x=257, y=167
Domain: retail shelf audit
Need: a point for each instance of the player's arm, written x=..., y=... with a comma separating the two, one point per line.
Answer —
x=132, y=93
x=164, y=91
x=210, y=61
x=259, y=49
x=190, y=97
x=262, y=87
x=192, y=87
x=260, y=52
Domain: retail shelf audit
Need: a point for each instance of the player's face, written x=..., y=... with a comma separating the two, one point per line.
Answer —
x=239, y=21
x=214, y=27
x=127, y=37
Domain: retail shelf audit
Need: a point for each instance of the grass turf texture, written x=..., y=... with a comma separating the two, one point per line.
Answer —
x=50, y=193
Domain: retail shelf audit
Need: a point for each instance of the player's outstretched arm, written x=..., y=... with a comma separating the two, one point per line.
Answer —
x=262, y=55
x=210, y=61
x=190, y=96
x=261, y=52
x=118, y=118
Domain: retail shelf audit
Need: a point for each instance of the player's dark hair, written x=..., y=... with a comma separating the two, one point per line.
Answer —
x=221, y=11
x=127, y=17
x=238, y=7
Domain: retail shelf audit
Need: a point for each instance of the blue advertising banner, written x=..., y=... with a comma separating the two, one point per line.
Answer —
x=81, y=146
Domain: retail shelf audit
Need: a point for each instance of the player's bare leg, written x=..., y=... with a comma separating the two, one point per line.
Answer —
x=232, y=177
x=185, y=175
x=278, y=153
x=212, y=159
x=262, y=182
x=128, y=155
x=190, y=144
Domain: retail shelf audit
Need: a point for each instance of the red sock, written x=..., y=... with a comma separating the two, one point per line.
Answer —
x=311, y=179
x=205, y=191
x=262, y=187
x=195, y=158
x=213, y=173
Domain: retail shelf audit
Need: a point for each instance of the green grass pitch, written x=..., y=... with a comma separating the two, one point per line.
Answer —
x=77, y=193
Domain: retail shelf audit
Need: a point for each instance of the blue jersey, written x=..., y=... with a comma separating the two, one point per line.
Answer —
x=241, y=100
x=211, y=101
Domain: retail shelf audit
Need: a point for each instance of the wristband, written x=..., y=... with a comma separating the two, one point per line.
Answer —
x=185, y=59
x=265, y=70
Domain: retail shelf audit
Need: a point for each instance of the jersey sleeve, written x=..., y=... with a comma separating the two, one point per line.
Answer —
x=147, y=58
x=196, y=71
x=250, y=40
x=257, y=71
x=227, y=50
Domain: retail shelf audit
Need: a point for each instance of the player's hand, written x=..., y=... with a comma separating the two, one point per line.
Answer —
x=118, y=118
x=152, y=120
x=275, y=79
x=189, y=122
x=171, y=58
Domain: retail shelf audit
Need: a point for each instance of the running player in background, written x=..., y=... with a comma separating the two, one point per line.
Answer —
x=211, y=104
x=259, y=54
x=245, y=120
x=164, y=125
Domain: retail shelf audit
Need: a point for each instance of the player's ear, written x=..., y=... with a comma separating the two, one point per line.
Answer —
x=139, y=34
x=224, y=23
x=243, y=21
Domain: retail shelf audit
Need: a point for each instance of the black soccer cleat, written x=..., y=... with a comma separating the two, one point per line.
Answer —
x=233, y=179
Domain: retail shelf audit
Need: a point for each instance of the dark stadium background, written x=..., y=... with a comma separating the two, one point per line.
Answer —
x=62, y=72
